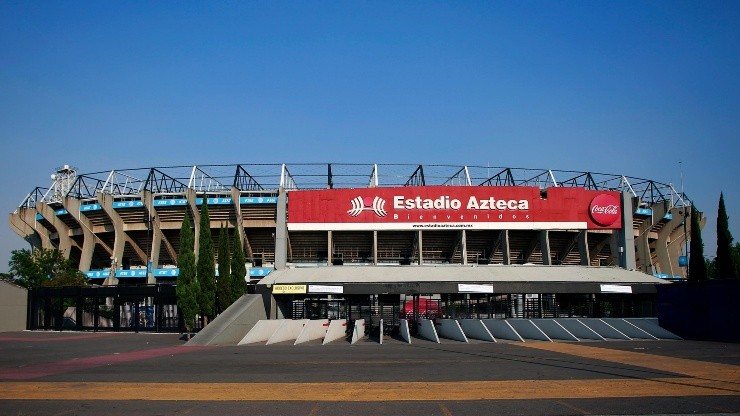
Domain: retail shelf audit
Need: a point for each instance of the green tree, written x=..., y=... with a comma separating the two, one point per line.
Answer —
x=238, y=269
x=223, y=284
x=187, y=285
x=725, y=260
x=697, y=265
x=43, y=267
x=206, y=266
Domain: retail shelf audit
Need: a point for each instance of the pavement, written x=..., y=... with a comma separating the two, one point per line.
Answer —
x=72, y=373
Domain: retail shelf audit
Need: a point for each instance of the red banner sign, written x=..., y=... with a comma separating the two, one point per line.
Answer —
x=453, y=207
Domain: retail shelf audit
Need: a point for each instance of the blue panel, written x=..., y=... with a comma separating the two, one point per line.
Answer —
x=249, y=200
x=677, y=277
x=39, y=217
x=131, y=273
x=647, y=212
x=166, y=272
x=259, y=271
x=97, y=274
x=668, y=216
x=90, y=207
x=170, y=202
x=213, y=201
x=62, y=212
x=128, y=204
x=661, y=275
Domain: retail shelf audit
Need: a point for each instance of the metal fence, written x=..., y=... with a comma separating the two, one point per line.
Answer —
x=150, y=308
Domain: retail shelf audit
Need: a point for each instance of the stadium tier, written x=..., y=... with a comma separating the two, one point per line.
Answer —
x=372, y=229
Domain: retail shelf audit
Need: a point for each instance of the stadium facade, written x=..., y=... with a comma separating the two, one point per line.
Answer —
x=320, y=238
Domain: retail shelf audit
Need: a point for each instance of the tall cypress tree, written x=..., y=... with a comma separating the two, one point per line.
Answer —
x=223, y=284
x=725, y=260
x=238, y=269
x=206, y=265
x=187, y=285
x=697, y=265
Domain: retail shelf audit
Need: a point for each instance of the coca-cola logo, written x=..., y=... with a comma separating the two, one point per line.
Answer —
x=604, y=210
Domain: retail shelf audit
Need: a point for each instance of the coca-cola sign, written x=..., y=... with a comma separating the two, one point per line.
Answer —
x=604, y=210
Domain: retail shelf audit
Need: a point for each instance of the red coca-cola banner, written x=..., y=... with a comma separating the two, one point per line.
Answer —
x=453, y=207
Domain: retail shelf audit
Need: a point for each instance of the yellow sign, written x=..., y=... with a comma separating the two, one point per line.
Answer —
x=286, y=289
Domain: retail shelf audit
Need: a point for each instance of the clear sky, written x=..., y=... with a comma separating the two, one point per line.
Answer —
x=624, y=87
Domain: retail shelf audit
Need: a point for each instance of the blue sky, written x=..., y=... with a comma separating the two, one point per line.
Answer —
x=621, y=87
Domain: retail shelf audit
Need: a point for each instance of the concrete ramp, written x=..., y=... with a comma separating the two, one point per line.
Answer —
x=232, y=324
x=313, y=330
x=427, y=330
x=450, y=328
x=475, y=329
x=651, y=326
x=262, y=331
x=337, y=330
x=603, y=329
x=500, y=328
x=288, y=331
x=554, y=330
x=528, y=330
x=579, y=329
x=628, y=329
x=358, y=332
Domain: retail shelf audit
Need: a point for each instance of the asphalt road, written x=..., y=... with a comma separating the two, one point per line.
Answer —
x=53, y=373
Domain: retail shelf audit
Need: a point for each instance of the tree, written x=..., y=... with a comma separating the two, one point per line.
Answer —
x=238, y=269
x=725, y=260
x=206, y=266
x=697, y=266
x=223, y=284
x=187, y=285
x=43, y=267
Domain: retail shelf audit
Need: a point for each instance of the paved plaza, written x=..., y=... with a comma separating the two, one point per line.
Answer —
x=70, y=373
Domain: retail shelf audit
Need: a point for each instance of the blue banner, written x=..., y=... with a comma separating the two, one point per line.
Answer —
x=644, y=211
x=128, y=204
x=259, y=271
x=170, y=202
x=97, y=274
x=172, y=272
x=131, y=273
x=249, y=200
x=90, y=207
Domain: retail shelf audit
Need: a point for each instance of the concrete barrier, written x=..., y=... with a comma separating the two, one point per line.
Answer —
x=337, y=330
x=602, y=328
x=262, y=331
x=474, y=328
x=628, y=329
x=651, y=326
x=359, y=332
x=288, y=331
x=450, y=328
x=404, y=331
x=313, y=330
x=500, y=328
x=554, y=330
x=579, y=329
x=528, y=330
x=232, y=324
x=428, y=331
x=380, y=332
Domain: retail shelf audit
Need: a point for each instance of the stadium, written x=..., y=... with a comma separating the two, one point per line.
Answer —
x=381, y=242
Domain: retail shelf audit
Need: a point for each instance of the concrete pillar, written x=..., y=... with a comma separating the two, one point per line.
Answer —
x=191, y=196
x=281, y=231
x=504, y=236
x=329, y=248
x=583, y=248
x=418, y=238
x=375, y=248
x=121, y=238
x=63, y=232
x=464, y=246
x=73, y=206
x=545, y=247
x=25, y=229
x=626, y=236
x=235, y=195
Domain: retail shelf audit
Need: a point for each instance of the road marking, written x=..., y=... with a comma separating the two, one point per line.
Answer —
x=368, y=391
